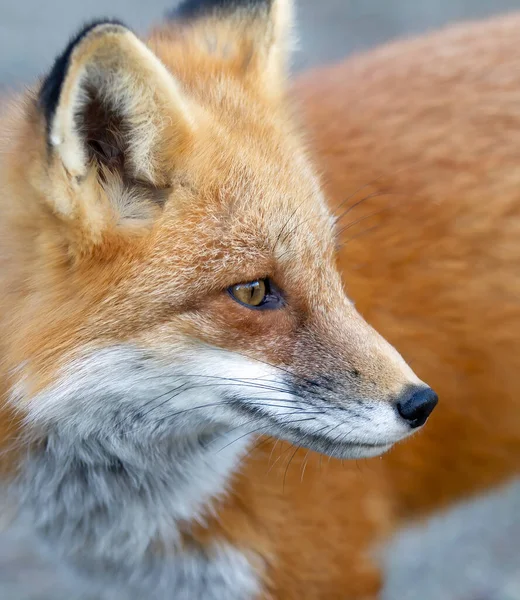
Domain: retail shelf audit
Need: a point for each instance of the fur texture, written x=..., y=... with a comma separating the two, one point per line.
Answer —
x=141, y=184
x=200, y=8
x=172, y=170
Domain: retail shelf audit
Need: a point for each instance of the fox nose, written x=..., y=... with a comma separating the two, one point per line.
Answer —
x=418, y=406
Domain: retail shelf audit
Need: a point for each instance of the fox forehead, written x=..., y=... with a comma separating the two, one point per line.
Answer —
x=247, y=178
x=244, y=204
x=251, y=202
x=244, y=227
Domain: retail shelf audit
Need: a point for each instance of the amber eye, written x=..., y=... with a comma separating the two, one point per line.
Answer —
x=256, y=294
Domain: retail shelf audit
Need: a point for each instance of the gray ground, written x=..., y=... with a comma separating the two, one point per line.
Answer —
x=470, y=553
x=473, y=553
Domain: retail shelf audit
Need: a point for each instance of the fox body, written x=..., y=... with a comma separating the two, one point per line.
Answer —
x=171, y=291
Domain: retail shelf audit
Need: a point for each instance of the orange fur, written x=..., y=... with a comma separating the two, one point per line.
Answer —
x=428, y=127
x=423, y=135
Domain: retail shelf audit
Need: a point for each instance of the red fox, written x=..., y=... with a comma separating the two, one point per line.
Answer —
x=171, y=292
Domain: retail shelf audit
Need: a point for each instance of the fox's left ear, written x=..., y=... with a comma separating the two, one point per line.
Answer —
x=114, y=117
x=255, y=36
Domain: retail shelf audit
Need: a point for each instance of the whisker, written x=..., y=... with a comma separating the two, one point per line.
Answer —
x=251, y=381
x=249, y=403
x=356, y=192
x=354, y=205
x=371, y=182
x=185, y=387
x=287, y=450
x=285, y=225
x=361, y=219
x=287, y=467
x=304, y=464
x=290, y=446
x=279, y=238
x=279, y=457
x=299, y=410
x=362, y=200
x=272, y=450
x=345, y=242
x=171, y=416
x=258, y=445
x=342, y=436
x=264, y=427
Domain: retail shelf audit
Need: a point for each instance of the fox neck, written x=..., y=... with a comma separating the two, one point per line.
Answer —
x=103, y=505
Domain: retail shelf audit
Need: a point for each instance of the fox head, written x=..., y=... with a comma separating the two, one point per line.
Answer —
x=171, y=258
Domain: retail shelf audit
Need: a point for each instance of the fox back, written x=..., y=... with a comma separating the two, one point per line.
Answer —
x=169, y=292
x=418, y=143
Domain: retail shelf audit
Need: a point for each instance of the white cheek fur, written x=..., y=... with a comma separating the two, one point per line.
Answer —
x=122, y=391
x=139, y=445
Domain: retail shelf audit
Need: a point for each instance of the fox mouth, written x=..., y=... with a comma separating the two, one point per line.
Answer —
x=325, y=441
x=330, y=446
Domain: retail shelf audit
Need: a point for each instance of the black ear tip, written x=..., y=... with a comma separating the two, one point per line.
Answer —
x=50, y=90
x=189, y=9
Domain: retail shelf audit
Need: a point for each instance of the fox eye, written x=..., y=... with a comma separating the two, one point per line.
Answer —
x=260, y=293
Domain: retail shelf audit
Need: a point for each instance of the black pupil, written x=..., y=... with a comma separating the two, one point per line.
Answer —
x=253, y=289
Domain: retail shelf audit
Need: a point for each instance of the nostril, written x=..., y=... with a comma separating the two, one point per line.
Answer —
x=417, y=408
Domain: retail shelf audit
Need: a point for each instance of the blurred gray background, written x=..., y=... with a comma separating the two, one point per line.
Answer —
x=472, y=553
x=33, y=31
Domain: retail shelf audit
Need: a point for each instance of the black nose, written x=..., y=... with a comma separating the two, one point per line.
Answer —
x=417, y=407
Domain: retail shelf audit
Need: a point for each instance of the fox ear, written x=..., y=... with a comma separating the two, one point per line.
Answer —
x=113, y=113
x=255, y=33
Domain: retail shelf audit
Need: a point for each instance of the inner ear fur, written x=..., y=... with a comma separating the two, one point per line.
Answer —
x=111, y=106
